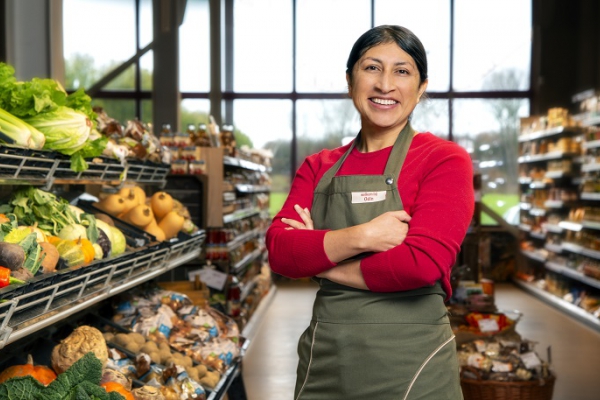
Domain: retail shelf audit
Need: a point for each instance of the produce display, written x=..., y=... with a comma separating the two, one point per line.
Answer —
x=160, y=215
x=38, y=229
x=134, y=141
x=39, y=114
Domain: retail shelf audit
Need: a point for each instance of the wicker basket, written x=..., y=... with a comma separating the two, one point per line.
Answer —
x=479, y=389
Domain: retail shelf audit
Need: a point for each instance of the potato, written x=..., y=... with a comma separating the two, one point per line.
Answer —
x=149, y=347
x=186, y=361
x=133, y=347
x=164, y=355
x=193, y=373
x=138, y=338
x=210, y=379
x=155, y=357
x=164, y=345
x=202, y=370
x=122, y=339
x=108, y=336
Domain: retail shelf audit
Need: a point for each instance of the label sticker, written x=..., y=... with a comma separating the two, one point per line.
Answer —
x=367, y=197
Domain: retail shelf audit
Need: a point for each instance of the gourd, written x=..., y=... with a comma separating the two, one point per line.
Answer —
x=119, y=388
x=171, y=224
x=162, y=204
x=140, y=216
x=41, y=373
x=153, y=229
x=112, y=204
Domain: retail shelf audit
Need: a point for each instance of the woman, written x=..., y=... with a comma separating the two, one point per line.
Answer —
x=378, y=223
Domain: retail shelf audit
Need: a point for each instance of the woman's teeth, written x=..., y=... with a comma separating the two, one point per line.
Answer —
x=384, y=101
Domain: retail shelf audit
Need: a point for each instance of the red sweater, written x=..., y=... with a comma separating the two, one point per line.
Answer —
x=436, y=188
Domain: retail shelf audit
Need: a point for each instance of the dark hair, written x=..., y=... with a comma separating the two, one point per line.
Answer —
x=403, y=37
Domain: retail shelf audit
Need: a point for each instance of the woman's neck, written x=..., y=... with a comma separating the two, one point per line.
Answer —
x=374, y=140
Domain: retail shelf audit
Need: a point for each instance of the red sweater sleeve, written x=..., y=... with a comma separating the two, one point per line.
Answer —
x=300, y=253
x=441, y=207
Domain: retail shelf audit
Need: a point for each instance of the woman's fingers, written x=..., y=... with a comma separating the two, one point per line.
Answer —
x=304, y=214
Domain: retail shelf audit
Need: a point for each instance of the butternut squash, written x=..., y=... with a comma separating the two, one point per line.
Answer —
x=130, y=198
x=112, y=204
x=140, y=194
x=171, y=224
x=140, y=216
x=162, y=204
x=153, y=229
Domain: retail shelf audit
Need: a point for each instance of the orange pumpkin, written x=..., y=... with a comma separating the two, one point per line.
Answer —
x=119, y=388
x=52, y=239
x=41, y=373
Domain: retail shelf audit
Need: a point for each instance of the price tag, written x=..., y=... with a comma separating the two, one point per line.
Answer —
x=531, y=360
x=488, y=325
x=211, y=277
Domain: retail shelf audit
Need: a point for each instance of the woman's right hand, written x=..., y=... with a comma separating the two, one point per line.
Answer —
x=386, y=231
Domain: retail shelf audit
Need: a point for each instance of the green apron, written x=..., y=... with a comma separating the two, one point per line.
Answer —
x=373, y=346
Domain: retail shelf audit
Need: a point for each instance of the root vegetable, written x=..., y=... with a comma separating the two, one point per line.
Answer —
x=105, y=218
x=155, y=357
x=122, y=339
x=12, y=256
x=138, y=338
x=108, y=336
x=149, y=347
x=147, y=393
x=111, y=375
x=81, y=341
x=162, y=204
x=49, y=256
x=171, y=224
x=133, y=347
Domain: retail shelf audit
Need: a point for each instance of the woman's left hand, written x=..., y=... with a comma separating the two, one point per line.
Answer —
x=304, y=213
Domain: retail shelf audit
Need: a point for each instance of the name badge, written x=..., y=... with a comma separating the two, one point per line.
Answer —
x=367, y=197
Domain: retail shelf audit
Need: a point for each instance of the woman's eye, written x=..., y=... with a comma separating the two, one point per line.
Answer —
x=371, y=68
x=402, y=71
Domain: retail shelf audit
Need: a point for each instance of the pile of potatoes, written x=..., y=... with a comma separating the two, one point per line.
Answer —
x=161, y=353
x=155, y=215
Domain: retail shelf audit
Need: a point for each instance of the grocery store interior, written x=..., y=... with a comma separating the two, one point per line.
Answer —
x=146, y=146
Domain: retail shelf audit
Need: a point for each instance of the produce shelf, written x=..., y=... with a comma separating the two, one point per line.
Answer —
x=30, y=312
x=147, y=172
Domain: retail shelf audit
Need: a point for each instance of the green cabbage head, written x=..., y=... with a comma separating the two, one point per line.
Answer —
x=66, y=129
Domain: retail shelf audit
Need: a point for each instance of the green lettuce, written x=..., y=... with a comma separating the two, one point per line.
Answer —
x=66, y=130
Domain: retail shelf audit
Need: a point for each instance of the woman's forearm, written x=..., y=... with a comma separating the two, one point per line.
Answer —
x=347, y=273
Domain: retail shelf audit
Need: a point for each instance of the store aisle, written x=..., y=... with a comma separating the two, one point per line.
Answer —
x=270, y=363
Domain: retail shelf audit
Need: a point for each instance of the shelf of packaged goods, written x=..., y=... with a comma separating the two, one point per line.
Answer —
x=591, y=121
x=589, y=196
x=525, y=227
x=554, y=155
x=565, y=306
x=537, y=212
x=590, y=167
x=553, y=228
x=241, y=238
x=238, y=162
x=572, y=247
x=538, y=185
x=525, y=206
x=573, y=274
x=555, y=248
x=534, y=255
x=591, y=224
x=525, y=180
x=537, y=234
x=591, y=144
x=557, y=174
x=247, y=188
x=554, y=204
x=248, y=287
x=544, y=133
x=240, y=214
x=24, y=315
x=571, y=225
x=244, y=262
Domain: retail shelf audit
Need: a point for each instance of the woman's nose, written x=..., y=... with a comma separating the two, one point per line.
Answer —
x=384, y=83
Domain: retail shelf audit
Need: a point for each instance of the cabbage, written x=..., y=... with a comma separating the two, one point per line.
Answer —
x=66, y=130
x=73, y=232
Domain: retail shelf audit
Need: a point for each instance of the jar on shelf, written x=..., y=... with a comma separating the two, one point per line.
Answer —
x=228, y=140
x=202, y=139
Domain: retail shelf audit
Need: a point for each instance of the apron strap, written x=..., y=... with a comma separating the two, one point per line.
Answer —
x=392, y=167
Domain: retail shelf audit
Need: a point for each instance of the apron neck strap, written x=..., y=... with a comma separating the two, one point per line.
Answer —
x=395, y=160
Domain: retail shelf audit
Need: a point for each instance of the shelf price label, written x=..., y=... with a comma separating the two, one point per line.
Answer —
x=211, y=277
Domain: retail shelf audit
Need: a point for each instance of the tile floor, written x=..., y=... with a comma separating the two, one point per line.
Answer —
x=269, y=366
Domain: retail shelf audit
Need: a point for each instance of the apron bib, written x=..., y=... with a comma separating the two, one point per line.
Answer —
x=365, y=345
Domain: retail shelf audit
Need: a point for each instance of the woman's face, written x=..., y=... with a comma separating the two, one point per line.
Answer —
x=385, y=88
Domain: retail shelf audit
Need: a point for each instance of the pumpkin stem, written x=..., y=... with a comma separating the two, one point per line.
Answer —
x=29, y=359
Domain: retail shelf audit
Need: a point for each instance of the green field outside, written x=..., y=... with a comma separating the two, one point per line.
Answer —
x=498, y=202
x=276, y=202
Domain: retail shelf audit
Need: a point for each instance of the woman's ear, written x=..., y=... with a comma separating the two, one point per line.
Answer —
x=422, y=89
x=349, y=82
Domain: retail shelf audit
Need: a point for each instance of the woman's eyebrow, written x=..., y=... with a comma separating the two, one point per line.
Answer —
x=381, y=62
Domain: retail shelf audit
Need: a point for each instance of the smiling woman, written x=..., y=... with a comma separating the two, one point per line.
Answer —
x=370, y=222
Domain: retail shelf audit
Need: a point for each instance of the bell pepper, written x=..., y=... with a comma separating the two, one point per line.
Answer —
x=6, y=279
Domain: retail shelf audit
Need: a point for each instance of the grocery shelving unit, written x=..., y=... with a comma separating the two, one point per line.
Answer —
x=557, y=231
